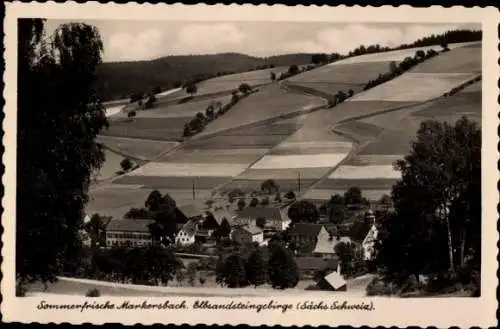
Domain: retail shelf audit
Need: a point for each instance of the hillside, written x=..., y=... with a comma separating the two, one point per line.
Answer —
x=121, y=79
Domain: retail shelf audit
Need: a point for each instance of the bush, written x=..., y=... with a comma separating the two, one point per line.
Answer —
x=21, y=290
x=264, y=201
x=94, y=292
x=378, y=287
x=254, y=202
x=290, y=195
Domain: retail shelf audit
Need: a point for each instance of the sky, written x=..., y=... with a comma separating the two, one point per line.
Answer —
x=145, y=40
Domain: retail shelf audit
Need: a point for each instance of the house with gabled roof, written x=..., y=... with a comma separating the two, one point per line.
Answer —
x=129, y=232
x=275, y=218
x=308, y=233
x=188, y=212
x=187, y=234
x=247, y=234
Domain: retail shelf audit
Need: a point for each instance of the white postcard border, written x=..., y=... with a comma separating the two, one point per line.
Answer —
x=440, y=312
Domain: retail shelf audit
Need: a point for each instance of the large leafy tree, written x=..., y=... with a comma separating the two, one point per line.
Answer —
x=282, y=268
x=437, y=221
x=256, y=268
x=303, y=211
x=59, y=117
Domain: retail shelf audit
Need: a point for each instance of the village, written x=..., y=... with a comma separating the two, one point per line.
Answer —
x=330, y=242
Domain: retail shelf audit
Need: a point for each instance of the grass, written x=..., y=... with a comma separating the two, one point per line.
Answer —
x=365, y=172
x=324, y=194
x=369, y=184
x=188, y=109
x=350, y=75
x=136, y=148
x=460, y=103
x=238, y=141
x=115, y=201
x=171, y=183
x=187, y=169
x=271, y=101
x=328, y=89
x=251, y=185
x=459, y=60
x=297, y=161
x=110, y=166
x=291, y=149
x=413, y=87
x=164, y=129
x=359, y=130
x=227, y=155
x=263, y=174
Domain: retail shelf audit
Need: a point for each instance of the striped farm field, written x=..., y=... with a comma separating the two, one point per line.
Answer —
x=270, y=102
x=413, y=87
x=143, y=149
x=466, y=102
x=227, y=155
x=312, y=147
x=189, y=169
x=165, y=129
x=174, y=183
x=359, y=131
x=459, y=60
x=188, y=109
x=319, y=122
x=395, y=55
x=289, y=162
x=365, y=172
x=280, y=174
x=355, y=74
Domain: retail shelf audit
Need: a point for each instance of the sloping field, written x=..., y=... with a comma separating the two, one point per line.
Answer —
x=143, y=149
x=413, y=87
x=459, y=60
x=166, y=129
x=188, y=109
x=232, y=81
x=299, y=161
x=271, y=101
x=337, y=73
x=359, y=131
x=116, y=200
x=228, y=155
x=110, y=166
x=395, y=55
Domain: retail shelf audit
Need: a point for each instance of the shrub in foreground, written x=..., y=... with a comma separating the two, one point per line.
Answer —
x=94, y=292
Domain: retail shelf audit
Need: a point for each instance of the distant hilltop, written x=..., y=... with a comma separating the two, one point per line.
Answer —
x=119, y=80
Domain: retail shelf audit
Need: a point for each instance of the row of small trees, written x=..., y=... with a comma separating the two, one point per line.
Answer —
x=398, y=69
x=214, y=110
x=279, y=269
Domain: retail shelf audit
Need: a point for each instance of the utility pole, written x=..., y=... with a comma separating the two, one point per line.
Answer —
x=298, y=177
x=194, y=194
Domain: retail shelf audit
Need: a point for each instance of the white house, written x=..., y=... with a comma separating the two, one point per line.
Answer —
x=186, y=235
x=274, y=218
x=131, y=232
x=248, y=234
x=368, y=244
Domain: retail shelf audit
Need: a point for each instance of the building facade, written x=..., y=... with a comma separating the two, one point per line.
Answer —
x=128, y=232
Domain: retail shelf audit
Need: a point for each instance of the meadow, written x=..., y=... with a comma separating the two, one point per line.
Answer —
x=142, y=149
x=459, y=60
x=270, y=102
x=413, y=87
x=110, y=167
x=163, y=129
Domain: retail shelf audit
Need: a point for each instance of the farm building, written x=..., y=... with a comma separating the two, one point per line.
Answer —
x=275, y=219
x=133, y=232
x=311, y=234
x=186, y=213
x=247, y=234
x=333, y=282
x=313, y=264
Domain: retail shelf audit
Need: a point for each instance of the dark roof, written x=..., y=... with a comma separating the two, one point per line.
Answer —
x=129, y=225
x=252, y=229
x=189, y=227
x=306, y=229
x=269, y=213
x=190, y=210
x=316, y=263
x=359, y=229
